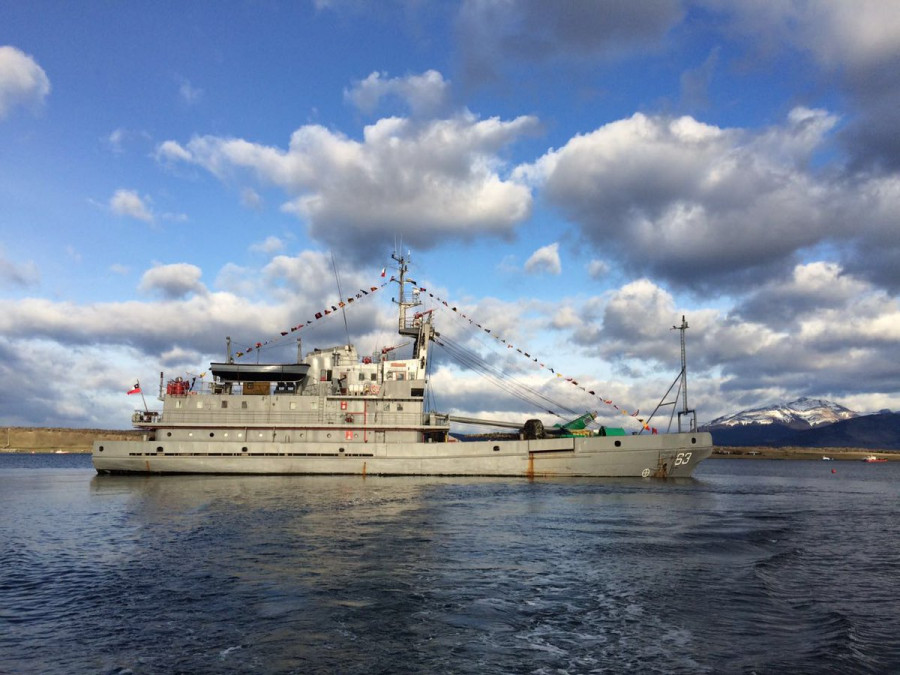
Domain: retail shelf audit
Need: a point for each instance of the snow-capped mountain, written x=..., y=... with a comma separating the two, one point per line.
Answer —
x=802, y=413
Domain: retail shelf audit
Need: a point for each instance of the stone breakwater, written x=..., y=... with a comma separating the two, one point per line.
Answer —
x=39, y=439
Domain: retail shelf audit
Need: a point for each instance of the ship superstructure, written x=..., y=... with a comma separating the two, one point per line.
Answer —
x=335, y=412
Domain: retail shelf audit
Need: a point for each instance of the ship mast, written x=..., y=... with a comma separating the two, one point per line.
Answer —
x=406, y=328
x=685, y=411
x=420, y=327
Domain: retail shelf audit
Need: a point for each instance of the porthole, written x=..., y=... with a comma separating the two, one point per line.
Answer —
x=211, y=434
x=496, y=448
x=159, y=448
x=244, y=449
x=340, y=449
x=693, y=440
x=618, y=444
x=169, y=434
x=100, y=449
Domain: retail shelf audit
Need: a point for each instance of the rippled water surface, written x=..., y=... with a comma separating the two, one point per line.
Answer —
x=752, y=566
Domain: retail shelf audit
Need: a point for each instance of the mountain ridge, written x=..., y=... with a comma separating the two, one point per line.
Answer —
x=807, y=422
x=801, y=413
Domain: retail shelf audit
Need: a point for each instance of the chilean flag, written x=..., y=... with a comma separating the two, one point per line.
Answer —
x=383, y=271
x=137, y=389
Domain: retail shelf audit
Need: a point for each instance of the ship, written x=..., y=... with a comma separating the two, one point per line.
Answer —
x=333, y=412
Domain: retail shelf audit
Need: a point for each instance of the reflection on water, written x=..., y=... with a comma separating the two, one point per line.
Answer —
x=756, y=566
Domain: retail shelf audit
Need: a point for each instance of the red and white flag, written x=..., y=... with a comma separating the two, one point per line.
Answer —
x=383, y=271
x=136, y=390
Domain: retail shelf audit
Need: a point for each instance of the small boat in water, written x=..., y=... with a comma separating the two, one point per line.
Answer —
x=871, y=459
x=333, y=412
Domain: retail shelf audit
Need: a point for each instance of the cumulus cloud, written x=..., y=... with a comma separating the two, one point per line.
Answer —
x=270, y=245
x=855, y=46
x=173, y=281
x=699, y=205
x=822, y=333
x=425, y=181
x=185, y=312
x=544, y=260
x=836, y=33
x=495, y=33
x=22, y=81
x=425, y=94
x=129, y=203
x=811, y=288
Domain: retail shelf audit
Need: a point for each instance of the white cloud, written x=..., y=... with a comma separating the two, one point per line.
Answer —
x=836, y=32
x=704, y=206
x=22, y=80
x=565, y=317
x=425, y=94
x=544, y=260
x=425, y=181
x=271, y=245
x=189, y=94
x=115, y=140
x=173, y=152
x=130, y=204
x=173, y=281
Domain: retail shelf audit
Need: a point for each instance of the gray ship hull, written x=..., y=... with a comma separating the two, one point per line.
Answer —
x=661, y=456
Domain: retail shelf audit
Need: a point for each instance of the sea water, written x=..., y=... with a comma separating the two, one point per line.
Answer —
x=752, y=566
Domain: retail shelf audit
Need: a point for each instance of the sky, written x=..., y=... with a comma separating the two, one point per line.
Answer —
x=574, y=177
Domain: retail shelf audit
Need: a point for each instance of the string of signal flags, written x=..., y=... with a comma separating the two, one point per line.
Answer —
x=534, y=359
x=362, y=293
x=326, y=311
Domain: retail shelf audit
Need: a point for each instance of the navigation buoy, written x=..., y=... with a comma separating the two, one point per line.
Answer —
x=834, y=471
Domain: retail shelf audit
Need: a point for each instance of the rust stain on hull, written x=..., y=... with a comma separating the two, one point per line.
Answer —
x=662, y=470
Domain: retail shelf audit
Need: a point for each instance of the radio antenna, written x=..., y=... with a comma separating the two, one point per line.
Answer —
x=337, y=280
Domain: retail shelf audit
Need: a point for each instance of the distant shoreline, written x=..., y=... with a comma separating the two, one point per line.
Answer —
x=55, y=439
x=49, y=440
x=837, y=454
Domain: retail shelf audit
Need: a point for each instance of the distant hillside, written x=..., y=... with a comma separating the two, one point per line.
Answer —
x=871, y=432
x=875, y=432
x=801, y=413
